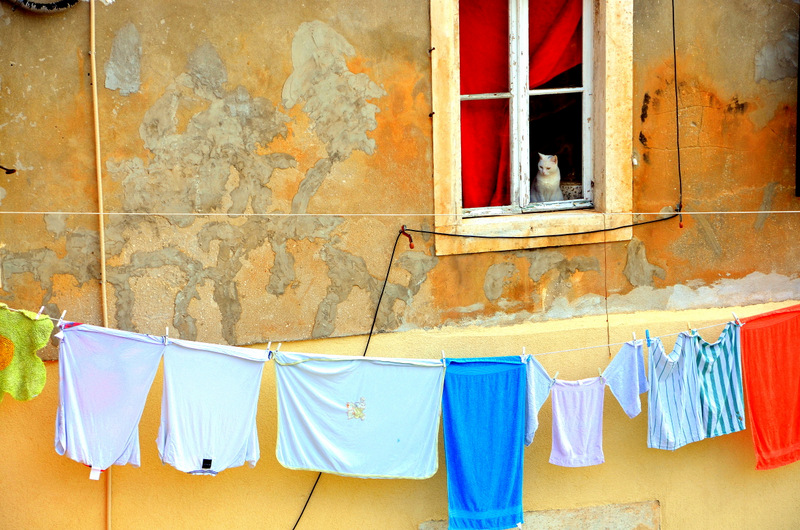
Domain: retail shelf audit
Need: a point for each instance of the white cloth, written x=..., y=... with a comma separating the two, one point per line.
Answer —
x=208, y=408
x=105, y=375
x=539, y=385
x=359, y=416
x=578, y=407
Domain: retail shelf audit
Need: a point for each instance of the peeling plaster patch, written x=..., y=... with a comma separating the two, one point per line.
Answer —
x=56, y=223
x=310, y=184
x=3, y=194
x=347, y=271
x=542, y=261
x=637, y=269
x=588, y=304
x=496, y=278
x=561, y=268
x=79, y=262
x=766, y=205
x=335, y=98
x=778, y=60
x=755, y=288
x=123, y=68
x=708, y=233
x=207, y=71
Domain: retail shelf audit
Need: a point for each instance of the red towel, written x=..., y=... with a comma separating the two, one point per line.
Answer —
x=771, y=359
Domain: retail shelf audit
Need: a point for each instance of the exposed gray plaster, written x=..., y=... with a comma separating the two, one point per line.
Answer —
x=560, y=269
x=778, y=60
x=709, y=234
x=2, y=194
x=310, y=184
x=335, y=98
x=496, y=278
x=123, y=68
x=81, y=262
x=638, y=270
x=55, y=223
x=347, y=271
x=542, y=261
x=207, y=71
x=766, y=205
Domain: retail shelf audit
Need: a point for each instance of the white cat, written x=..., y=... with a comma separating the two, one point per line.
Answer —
x=547, y=185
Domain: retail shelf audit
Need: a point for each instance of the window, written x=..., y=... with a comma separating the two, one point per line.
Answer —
x=560, y=84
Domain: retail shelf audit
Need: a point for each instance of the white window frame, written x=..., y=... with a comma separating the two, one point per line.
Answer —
x=609, y=146
x=519, y=104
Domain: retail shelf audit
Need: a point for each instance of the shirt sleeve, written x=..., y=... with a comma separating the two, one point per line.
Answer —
x=539, y=385
x=626, y=378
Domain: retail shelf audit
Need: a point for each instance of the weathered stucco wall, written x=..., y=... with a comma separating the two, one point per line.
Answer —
x=259, y=159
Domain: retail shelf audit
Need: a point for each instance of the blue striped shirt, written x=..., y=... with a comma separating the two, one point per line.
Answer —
x=719, y=365
x=673, y=404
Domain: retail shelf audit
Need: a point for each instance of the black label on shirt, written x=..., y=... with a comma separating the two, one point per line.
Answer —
x=206, y=463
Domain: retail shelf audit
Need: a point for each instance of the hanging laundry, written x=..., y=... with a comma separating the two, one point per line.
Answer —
x=208, y=407
x=673, y=405
x=22, y=334
x=578, y=407
x=719, y=367
x=771, y=357
x=366, y=417
x=539, y=385
x=484, y=430
x=105, y=377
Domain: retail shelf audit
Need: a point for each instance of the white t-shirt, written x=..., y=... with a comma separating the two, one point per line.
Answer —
x=208, y=408
x=105, y=375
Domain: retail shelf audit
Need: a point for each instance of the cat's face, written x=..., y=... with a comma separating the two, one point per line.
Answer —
x=548, y=164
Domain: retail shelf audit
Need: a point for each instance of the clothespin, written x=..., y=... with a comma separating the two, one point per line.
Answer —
x=269, y=346
x=634, y=336
x=278, y=348
x=61, y=319
x=689, y=328
x=599, y=372
x=42, y=309
x=410, y=241
x=555, y=376
x=166, y=335
x=647, y=335
x=735, y=318
x=443, y=355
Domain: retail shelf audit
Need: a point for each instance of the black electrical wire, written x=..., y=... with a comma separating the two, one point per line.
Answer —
x=677, y=114
x=479, y=236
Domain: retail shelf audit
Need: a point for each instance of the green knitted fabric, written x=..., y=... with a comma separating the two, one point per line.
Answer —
x=22, y=372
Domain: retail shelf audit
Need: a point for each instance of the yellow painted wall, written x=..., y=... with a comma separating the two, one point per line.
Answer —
x=710, y=484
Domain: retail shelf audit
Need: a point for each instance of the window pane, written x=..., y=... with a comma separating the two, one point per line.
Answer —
x=555, y=34
x=483, y=34
x=485, y=153
x=555, y=129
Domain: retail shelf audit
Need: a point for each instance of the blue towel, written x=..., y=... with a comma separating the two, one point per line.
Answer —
x=484, y=430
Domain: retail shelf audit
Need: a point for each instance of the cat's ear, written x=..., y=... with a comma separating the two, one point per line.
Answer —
x=541, y=156
x=554, y=158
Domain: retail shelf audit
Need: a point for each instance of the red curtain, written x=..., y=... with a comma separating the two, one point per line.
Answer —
x=555, y=46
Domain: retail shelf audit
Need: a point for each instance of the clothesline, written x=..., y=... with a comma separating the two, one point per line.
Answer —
x=412, y=214
x=57, y=320
x=625, y=342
